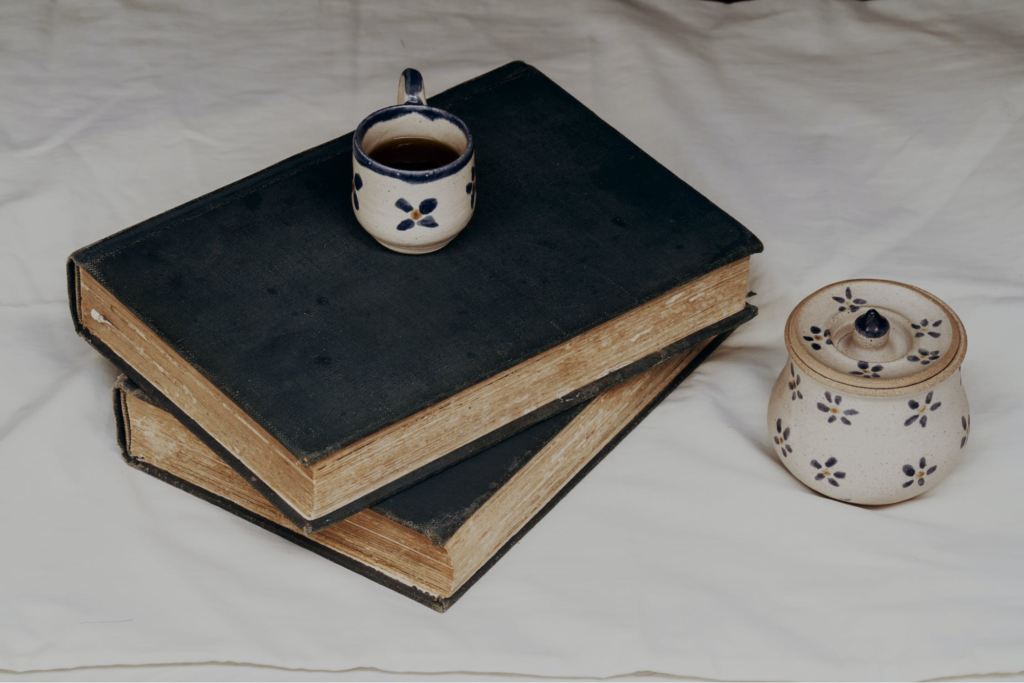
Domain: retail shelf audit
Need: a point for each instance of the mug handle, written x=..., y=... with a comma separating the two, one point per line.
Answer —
x=410, y=88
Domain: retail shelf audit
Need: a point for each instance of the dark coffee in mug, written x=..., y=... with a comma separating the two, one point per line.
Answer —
x=413, y=153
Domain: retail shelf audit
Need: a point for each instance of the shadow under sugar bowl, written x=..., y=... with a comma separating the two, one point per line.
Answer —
x=870, y=407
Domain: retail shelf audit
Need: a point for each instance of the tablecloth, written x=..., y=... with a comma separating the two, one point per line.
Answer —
x=879, y=139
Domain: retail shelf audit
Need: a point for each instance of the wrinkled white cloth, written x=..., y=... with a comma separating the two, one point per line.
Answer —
x=881, y=139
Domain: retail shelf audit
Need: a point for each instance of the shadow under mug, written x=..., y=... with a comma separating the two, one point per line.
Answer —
x=413, y=212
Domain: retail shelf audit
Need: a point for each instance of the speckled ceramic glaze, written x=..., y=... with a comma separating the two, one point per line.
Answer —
x=870, y=407
x=413, y=212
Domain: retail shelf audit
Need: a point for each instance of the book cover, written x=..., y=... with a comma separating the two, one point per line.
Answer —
x=339, y=372
x=434, y=540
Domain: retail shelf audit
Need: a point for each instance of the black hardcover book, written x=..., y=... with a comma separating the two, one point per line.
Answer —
x=338, y=372
x=432, y=541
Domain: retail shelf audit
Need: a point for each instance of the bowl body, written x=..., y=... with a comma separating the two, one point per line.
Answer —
x=870, y=407
x=869, y=450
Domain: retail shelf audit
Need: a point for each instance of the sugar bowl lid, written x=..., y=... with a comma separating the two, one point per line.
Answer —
x=876, y=337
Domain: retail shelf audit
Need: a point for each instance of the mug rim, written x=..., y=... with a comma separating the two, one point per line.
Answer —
x=395, y=111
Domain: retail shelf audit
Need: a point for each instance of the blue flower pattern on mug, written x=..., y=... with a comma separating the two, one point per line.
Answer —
x=834, y=411
x=817, y=337
x=357, y=184
x=849, y=302
x=417, y=216
x=471, y=187
x=794, y=384
x=782, y=438
x=826, y=472
x=921, y=409
x=918, y=475
x=922, y=329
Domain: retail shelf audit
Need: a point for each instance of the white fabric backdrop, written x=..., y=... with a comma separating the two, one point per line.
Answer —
x=857, y=140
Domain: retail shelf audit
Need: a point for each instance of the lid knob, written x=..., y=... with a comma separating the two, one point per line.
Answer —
x=872, y=329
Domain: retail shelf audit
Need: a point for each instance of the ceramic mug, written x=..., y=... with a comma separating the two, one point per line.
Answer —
x=413, y=212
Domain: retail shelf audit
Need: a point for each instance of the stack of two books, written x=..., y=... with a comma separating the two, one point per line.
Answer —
x=411, y=418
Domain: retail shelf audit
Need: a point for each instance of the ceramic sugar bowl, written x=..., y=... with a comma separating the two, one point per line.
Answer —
x=870, y=408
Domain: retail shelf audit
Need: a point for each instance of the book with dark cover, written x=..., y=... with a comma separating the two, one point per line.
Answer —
x=339, y=372
x=424, y=522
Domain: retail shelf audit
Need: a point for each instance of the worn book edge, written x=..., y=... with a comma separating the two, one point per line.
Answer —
x=310, y=526
x=435, y=602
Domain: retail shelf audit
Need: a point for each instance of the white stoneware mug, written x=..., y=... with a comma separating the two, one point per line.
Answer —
x=870, y=407
x=420, y=211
